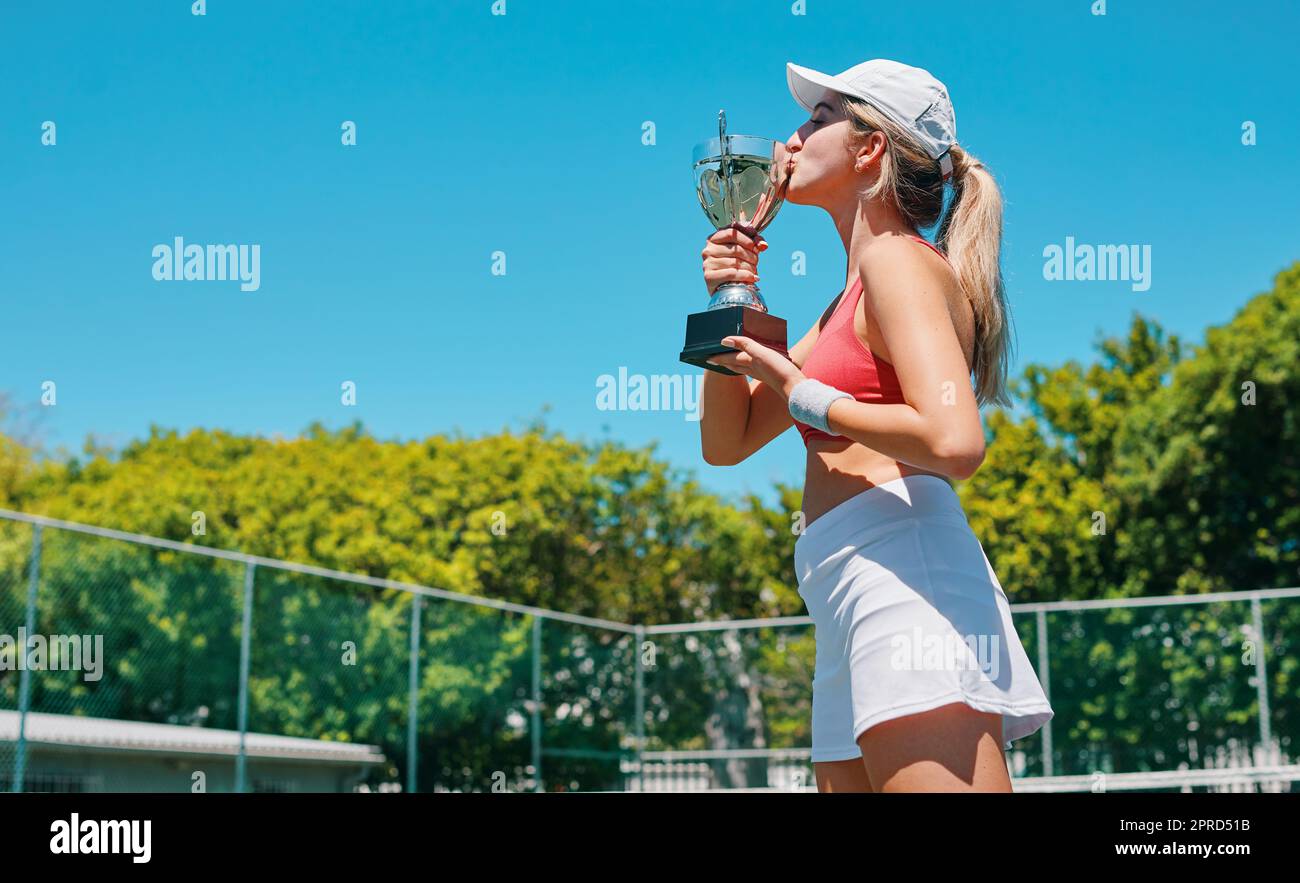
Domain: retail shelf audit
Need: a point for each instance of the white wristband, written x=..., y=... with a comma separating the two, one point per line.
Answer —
x=811, y=399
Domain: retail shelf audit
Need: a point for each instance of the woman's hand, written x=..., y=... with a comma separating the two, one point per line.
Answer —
x=760, y=362
x=731, y=255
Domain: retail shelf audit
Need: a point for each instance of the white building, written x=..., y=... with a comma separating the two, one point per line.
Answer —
x=75, y=754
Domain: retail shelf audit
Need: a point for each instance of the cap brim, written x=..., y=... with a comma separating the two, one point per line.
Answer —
x=807, y=85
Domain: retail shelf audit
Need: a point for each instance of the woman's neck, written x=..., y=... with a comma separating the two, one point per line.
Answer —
x=861, y=224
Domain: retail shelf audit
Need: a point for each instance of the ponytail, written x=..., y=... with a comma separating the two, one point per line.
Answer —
x=971, y=236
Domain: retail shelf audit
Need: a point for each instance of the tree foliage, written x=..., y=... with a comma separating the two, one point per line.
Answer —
x=1157, y=469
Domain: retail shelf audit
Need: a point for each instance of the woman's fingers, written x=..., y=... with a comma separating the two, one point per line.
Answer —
x=730, y=235
x=730, y=266
x=733, y=236
x=730, y=251
x=738, y=362
x=731, y=255
x=731, y=262
x=714, y=278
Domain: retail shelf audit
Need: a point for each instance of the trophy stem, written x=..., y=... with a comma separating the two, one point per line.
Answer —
x=737, y=294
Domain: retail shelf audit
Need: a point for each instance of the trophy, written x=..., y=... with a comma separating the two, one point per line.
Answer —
x=741, y=182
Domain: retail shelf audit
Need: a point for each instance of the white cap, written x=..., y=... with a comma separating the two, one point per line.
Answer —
x=907, y=95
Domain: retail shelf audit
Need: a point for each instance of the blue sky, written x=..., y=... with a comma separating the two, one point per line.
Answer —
x=522, y=133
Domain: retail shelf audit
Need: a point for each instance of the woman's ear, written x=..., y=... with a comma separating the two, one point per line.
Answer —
x=870, y=152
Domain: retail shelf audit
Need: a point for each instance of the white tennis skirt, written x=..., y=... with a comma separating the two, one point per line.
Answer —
x=909, y=616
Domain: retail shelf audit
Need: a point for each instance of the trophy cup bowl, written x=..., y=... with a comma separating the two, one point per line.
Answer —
x=741, y=182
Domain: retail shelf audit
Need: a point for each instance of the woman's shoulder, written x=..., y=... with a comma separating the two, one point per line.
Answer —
x=892, y=252
x=899, y=272
x=899, y=266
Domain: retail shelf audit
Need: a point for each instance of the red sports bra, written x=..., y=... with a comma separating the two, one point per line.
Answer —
x=840, y=359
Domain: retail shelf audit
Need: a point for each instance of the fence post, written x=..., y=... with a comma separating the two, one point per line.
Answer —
x=245, y=648
x=1045, y=673
x=25, y=680
x=413, y=697
x=639, y=723
x=537, y=704
x=1261, y=672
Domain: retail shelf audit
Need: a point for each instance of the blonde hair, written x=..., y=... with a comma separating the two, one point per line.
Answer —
x=970, y=233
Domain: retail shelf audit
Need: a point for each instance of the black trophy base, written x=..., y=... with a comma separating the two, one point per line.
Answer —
x=705, y=330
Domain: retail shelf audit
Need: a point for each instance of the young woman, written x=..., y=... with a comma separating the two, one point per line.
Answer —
x=920, y=678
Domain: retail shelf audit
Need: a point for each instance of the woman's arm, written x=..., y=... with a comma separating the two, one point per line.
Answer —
x=939, y=428
x=733, y=425
x=729, y=255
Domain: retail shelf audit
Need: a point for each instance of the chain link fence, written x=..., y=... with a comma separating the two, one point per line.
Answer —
x=170, y=666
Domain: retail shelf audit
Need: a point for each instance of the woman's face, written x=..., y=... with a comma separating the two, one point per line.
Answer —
x=825, y=169
x=821, y=164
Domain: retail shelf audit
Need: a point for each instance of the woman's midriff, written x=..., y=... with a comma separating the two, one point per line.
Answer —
x=839, y=469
